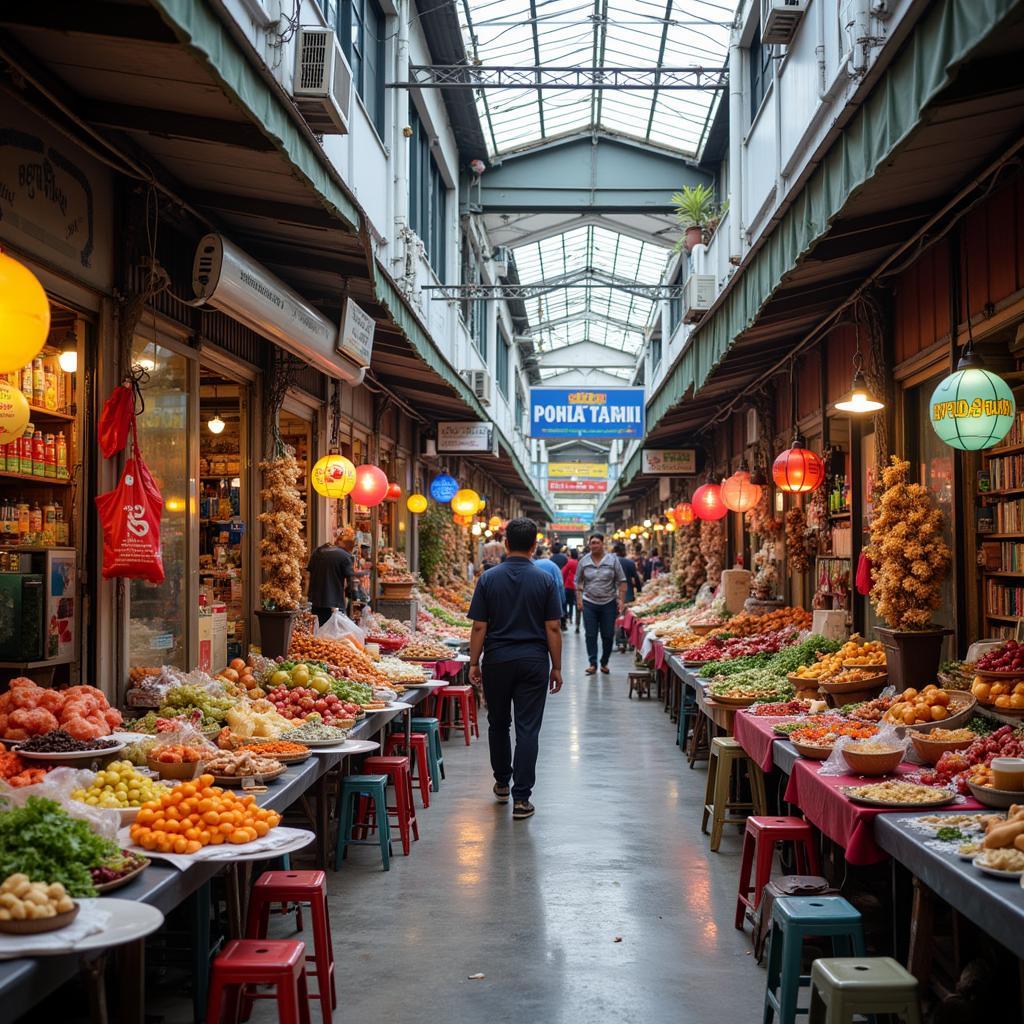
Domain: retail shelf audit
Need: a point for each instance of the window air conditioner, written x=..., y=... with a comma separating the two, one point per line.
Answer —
x=780, y=18
x=698, y=294
x=322, y=86
x=480, y=384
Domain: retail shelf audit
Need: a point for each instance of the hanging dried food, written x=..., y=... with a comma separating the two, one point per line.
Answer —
x=688, y=563
x=282, y=547
x=712, y=548
x=798, y=559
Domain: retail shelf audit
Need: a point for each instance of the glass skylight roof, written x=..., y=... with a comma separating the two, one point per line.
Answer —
x=608, y=33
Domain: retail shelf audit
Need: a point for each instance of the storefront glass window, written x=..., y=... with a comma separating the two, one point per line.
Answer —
x=158, y=613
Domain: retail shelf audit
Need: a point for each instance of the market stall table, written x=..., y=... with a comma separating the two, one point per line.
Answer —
x=756, y=734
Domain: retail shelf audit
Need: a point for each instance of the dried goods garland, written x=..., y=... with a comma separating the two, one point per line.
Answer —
x=712, y=549
x=688, y=568
x=797, y=555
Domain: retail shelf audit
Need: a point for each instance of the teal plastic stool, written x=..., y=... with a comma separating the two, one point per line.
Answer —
x=795, y=918
x=842, y=987
x=432, y=727
x=686, y=711
x=353, y=787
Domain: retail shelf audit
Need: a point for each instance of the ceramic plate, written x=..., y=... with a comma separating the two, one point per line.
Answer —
x=71, y=755
x=124, y=879
x=995, y=872
x=940, y=800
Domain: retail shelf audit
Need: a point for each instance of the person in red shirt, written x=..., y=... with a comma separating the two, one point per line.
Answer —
x=569, y=579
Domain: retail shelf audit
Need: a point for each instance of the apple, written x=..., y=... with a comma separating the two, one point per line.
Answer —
x=280, y=678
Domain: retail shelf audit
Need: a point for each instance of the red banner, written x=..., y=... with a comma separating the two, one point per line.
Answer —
x=579, y=486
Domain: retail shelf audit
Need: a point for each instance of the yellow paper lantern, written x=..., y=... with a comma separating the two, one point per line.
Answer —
x=24, y=315
x=481, y=506
x=14, y=412
x=333, y=476
x=465, y=502
x=416, y=503
x=494, y=523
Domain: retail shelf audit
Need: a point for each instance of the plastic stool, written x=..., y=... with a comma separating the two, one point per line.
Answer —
x=640, y=683
x=463, y=695
x=727, y=753
x=759, y=839
x=245, y=963
x=418, y=756
x=700, y=742
x=299, y=887
x=353, y=787
x=842, y=986
x=794, y=918
x=687, y=709
x=432, y=727
x=404, y=810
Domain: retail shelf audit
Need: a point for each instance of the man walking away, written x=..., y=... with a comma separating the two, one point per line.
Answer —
x=569, y=582
x=332, y=578
x=493, y=550
x=542, y=561
x=633, y=587
x=516, y=611
x=600, y=592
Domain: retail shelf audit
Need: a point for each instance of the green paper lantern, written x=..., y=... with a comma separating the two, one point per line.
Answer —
x=972, y=408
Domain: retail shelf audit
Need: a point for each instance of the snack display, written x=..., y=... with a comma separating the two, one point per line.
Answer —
x=953, y=765
x=825, y=733
x=281, y=750
x=1008, y=659
x=314, y=732
x=118, y=786
x=1005, y=695
x=25, y=900
x=898, y=794
x=1006, y=833
x=60, y=742
x=118, y=870
x=242, y=763
x=17, y=772
x=852, y=652
x=779, y=709
x=915, y=707
x=766, y=687
x=350, y=662
x=1008, y=861
x=870, y=710
x=183, y=699
x=297, y=704
x=425, y=650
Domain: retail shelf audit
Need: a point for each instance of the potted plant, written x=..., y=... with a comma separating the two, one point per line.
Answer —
x=695, y=206
x=909, y=559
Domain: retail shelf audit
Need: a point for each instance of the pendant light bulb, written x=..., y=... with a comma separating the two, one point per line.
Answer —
x=68, y=360
x=216, y=425
x=860, y=400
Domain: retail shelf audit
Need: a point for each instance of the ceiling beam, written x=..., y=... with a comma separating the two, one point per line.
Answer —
x=583, y=220
x=96, y=18
x=545, y=76
x=585, y=354
x=572, y=318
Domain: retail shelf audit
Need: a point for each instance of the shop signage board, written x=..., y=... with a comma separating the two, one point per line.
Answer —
x=465, y=437
x=581, y=412
x=578, y=486
x=356, y=337
x=577, y=470
x=669, y=461
x=566, y=522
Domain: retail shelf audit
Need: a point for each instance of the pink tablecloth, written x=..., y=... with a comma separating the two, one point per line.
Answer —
x=846, y=823
x=658, y=650
x=448, y=669
x=756, y=737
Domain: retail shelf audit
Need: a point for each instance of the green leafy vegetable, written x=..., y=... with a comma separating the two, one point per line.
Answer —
x=947, y=835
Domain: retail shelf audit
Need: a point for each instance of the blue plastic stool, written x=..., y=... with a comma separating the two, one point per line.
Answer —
x=353, y=787
x=686, y=711
x=432, y=727
x=795, y=918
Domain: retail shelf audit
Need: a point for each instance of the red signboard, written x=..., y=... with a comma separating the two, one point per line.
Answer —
x=578, y=486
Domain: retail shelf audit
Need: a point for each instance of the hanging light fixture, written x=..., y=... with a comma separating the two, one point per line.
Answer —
x=494, y=523
x=68, y=357
x=333, y=476
x=215, y=424
x=477, y=529
x=684, y=513
x=443, y=488
x=371, y=485
x=465, y=502
x=393, y=493
x=707, y=502
x=416, y=503
x=647, y=524
x=798, y=469
x=24, y=314
x=739, y=492
x=860, y=399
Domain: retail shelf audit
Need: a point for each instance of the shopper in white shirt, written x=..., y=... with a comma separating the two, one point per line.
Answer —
x=600, y=596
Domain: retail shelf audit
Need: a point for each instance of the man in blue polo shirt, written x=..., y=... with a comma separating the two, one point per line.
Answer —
x=517, y=615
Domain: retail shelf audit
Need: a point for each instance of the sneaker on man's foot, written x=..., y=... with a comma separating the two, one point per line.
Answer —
x=522, y=809
x=501, y=793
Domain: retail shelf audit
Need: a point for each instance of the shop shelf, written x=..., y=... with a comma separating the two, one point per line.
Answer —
x=53, y=414
x=1010, y=449
x=1001, y=494
x=1000, y=572
x=1004, y=618
x=43, y=481
x=999, y=536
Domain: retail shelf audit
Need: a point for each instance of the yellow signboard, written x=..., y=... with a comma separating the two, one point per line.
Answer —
x=581, y=470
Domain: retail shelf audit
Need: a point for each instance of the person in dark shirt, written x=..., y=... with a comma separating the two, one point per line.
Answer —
x=558, y=556
x=516, y=612
x=634, y=585
x=332, y=577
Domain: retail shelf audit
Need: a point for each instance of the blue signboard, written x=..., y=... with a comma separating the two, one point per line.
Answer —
x=584, y=412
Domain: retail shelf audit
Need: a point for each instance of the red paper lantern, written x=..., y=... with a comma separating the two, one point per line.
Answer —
x=394, y=492
x=371, y=486
x=798, y=469
x=738, y=493
x=707, y=502
x=684, y=513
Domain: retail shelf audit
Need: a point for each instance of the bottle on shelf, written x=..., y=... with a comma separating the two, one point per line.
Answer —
x=50, y=387
x=24, y=515
x=25, y=450
x=61, y=456
x=49, y=455
x=49, y=525
x=35, y=522
x=38, y=454
x=60, y=526
x=26, y=381
x=38, y=382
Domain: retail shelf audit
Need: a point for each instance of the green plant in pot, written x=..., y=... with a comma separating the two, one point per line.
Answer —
x=909, y=560
x=695, y=208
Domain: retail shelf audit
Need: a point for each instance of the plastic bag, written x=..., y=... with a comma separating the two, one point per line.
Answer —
x=58, y=786
x=889, y=736
x=369, y=622
x=116, y=419
x=340, y=627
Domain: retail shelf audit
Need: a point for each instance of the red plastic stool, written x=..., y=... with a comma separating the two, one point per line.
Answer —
x=759, y=838
x=397, y=771
x=298, y=887
x=467, y=709
x=244, y=963
x=417, y=756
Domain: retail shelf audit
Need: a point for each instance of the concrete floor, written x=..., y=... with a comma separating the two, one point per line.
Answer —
x=615, y=849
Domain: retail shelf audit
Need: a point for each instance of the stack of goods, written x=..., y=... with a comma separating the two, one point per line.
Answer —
x=314, y=731
x=30, y=710
x=240, y=678
x=242, y=764
x=299, y=703
x=918, y=708
x=437, y=622
x=746, y=624
x=282, y=546
x=456, y=595
x=425, y=650
x=25, y=900
x=17, y=772
x=1002, y=849
x=999, y=679
x=688, y=569
x=781, y=709
x=712, y=549
x=213, y=709
x=399, y=671
x=259, y=719
x=119, y=786
x=709, y=616
x=972, y=764
x=763, y=674
x=342, y=657
x=752, y=685
x=658, y=591
x=60, y=742
x=680, y=639
x=718, y=648
x=823, y=734
x=853, y=652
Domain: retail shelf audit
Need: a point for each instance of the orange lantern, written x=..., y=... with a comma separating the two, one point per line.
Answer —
x=465, y=502
x=462, y=520
x=371, y=486
x=707, y=502
x=684, y=513
x=798, y=469
x=494, y=523
x=739, y=493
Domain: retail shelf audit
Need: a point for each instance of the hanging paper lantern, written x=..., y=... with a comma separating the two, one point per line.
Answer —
x=443, y=488
x=738, y=492
x=394, y=492
x=24, y=315
x=684, y=513
x=707, y=502
x=371, y=486
x=416, y=503
x=333, y=476
x=14, y=412
x=494, y=523
x=973, y=408
x=481, y=505
x=798, y=469
x=462, y=520
x=465, y=502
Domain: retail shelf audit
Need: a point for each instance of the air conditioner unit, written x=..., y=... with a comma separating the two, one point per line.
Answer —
x=780, y=18
x=502, y=259
x=322, y=86
x=480, y=384
x=698, y=294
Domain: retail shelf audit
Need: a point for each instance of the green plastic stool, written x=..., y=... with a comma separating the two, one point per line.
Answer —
x=795, y=918
x=843, y=986
x=687, y=710
x=353, y=787
x=432, y=727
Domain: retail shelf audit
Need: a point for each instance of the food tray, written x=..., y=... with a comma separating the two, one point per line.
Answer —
x=941, y=800
x=815, y=753
x=733, y=702
x=175, y=772
x=855, y=685
x=703, y=630
x=315, y=744
x=877, y=763
x=990, y=797
x=1010, y=876
x=124, y=879
x=236, y=781
x=802, y=682
x=287, y=759
x=931, y=750
x=998, y=676
x=72, y=757
x=40, y=924
x=961, y=700
x=853, y=664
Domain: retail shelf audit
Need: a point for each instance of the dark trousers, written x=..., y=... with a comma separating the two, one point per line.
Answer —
x=570, y=605
x=322, y=614
x=522, y=685
x=599, y=618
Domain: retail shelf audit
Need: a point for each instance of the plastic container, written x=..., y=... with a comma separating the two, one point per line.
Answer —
x=1008, y=773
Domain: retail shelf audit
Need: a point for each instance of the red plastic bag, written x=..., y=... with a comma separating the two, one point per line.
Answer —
x=130, y=516
x=116, y=419
x=863, y=574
